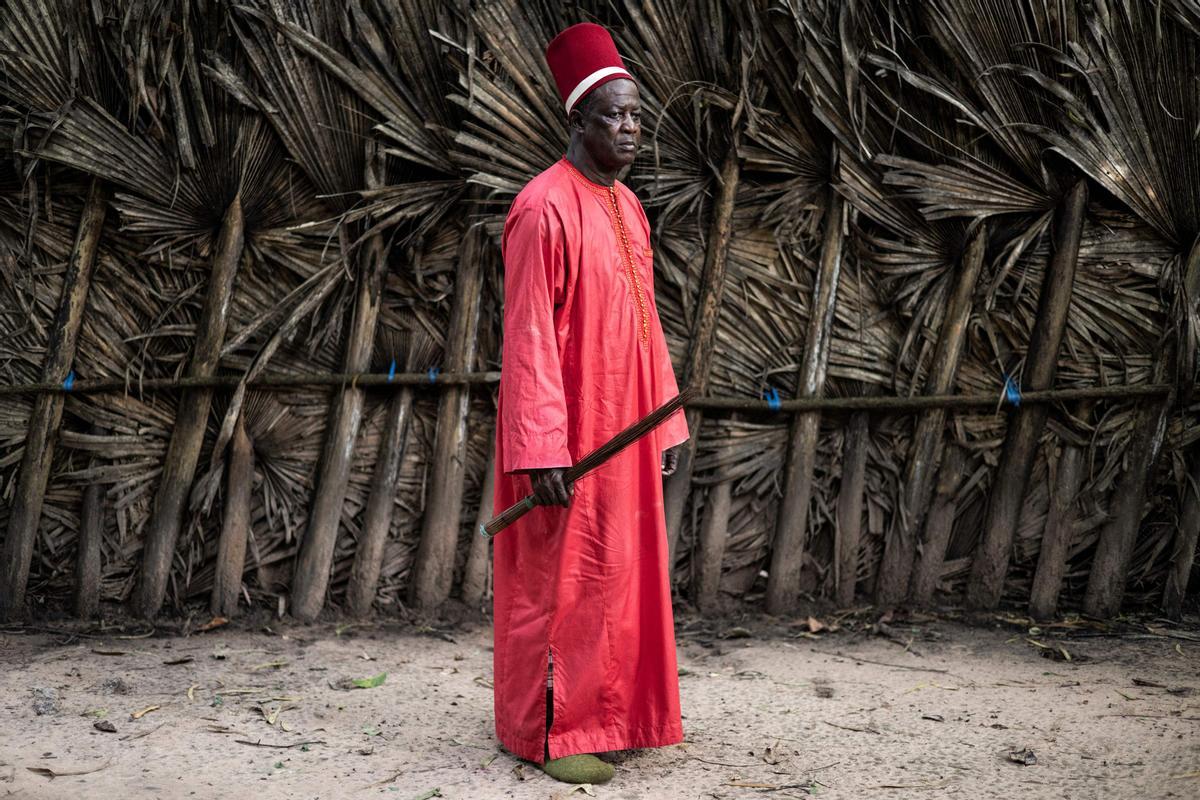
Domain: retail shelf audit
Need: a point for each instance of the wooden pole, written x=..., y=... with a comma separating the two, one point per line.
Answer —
x=931, y=555
x=337, y=453
x=91, y=537
x=851, y=494
x=704, y=336
x=900, y=546
x=1184, y=552
x=433, y=570
x=714, y=533
x=475, y=576
x=1186, y=535
x=1059, y=529
x=990, y=563
x=1106, y=581
x=44, y=420
x=381, y=503
x=191, y=417
x=235, y=526
x=791, y=524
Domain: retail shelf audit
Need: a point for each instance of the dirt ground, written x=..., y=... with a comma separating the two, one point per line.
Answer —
x=928, y=708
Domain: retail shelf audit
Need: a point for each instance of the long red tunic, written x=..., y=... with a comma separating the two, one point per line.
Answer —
x=583, y=357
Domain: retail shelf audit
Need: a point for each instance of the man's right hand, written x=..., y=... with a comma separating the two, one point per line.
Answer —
x=549, y=488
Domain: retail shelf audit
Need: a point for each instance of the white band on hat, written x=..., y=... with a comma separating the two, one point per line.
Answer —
x=590, y=81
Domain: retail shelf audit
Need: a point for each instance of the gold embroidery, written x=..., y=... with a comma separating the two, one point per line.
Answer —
x=626, y=251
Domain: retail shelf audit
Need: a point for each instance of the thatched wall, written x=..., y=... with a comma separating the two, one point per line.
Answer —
x=888, y=201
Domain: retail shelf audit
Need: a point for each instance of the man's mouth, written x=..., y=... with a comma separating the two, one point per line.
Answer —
x=628, y=147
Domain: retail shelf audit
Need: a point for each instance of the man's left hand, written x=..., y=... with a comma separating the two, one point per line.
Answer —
x=670, y=460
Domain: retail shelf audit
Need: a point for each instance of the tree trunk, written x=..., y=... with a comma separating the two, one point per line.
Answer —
x=235, y=527
x=990, y=564
x=26, y=511
x=475, y=576
x=895, y=569
x=931, y=555
x=704, y=334
x=1185, y=542
x=1058, y=532
x=1110, y=565
x=714, y=533
x=191, y=417
x=433, y=570
x=381, y=503
x=855, y=448
x=341, y=434
x=787, y=556
x=91, y=537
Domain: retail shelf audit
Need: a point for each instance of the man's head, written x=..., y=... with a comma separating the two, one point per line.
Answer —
x=607, y=123
x=599, y=95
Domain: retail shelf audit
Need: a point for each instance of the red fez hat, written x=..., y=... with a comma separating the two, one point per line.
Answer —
x=583, y=57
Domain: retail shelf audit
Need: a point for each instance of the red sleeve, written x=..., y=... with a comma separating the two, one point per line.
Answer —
x=533, y=408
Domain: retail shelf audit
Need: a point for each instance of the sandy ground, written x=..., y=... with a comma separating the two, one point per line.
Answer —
x=931, y=709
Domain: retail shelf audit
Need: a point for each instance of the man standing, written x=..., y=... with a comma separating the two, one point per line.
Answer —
x=585, y=644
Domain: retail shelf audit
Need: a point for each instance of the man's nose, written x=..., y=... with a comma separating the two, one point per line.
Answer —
x=629, y=124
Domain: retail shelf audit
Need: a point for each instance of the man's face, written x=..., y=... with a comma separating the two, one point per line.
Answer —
x=610, y=124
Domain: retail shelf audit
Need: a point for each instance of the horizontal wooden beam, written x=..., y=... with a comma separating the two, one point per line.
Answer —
x=422, y=379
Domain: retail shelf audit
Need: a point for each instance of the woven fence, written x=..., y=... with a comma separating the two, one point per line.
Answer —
x=932, y=267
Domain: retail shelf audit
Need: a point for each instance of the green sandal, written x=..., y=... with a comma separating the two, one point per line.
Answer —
x=582, y=768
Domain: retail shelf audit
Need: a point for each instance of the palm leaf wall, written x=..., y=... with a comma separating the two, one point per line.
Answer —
x=930, y=121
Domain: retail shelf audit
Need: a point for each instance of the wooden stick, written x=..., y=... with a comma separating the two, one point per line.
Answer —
x=787, y=554
x=1110, y=565
x=437, y=381
x=276, y=383
x=26, y=510
x=851, y=493
x=939, y=524
x=704, y=334
x=900, y=545
x=91, y=537
x=235, y=525
x=989, y=566
x=475, y=575
x=191, y=419
x=433, y=569
x=592, y=460
x=341, y=434
x=714, y=533
x=1058, y=532
x=1189, y=519
x=381, y=504
x=1184, y=552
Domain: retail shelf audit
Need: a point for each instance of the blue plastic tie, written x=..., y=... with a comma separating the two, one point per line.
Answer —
x=69, y=383
x=392, y=371
x=1012, y=391
x=433, y=374
x=772, y=396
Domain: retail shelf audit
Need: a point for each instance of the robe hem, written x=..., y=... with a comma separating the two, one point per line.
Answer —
x=601, y=741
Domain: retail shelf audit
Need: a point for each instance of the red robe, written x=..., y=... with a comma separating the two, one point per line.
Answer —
x=584, y=356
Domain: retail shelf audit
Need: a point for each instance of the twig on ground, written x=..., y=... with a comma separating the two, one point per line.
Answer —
x=261, y=743
x=840, y=654
x=131, y=736
x=848, y=728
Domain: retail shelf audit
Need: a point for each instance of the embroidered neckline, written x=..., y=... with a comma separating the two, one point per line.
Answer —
x=598, y=188
x=609, y=193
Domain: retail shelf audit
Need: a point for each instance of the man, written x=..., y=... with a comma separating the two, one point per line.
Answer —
x=585, y=646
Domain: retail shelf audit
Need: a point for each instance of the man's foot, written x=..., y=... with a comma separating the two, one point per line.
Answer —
x=582, y=768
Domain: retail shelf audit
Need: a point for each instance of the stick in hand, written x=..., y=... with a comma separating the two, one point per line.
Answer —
x=592, y=460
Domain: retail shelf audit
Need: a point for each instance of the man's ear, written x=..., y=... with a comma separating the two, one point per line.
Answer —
x=575, y=120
